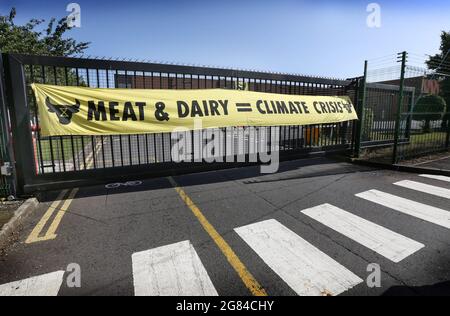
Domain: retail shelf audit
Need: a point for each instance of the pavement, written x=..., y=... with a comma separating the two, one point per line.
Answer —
x=440, y=163
x=302, y=231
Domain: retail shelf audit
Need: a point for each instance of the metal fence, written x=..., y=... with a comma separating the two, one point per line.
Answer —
x=70, y=158
x=427, y=132
x=380, y=110
x=423, y=135
x=393, y=131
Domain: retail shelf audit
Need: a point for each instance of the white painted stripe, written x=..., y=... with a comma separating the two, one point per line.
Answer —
x=426, y=188
x=387, y=243
x=441, y=178
x=423, y=211
x=173, y=270
x=307, y=270
x=44, y=285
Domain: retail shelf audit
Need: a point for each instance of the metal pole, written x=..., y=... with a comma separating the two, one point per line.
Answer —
x=20, y=123
x=410, y=115
x=399, y=107
x=362, y=105
x=7, y=152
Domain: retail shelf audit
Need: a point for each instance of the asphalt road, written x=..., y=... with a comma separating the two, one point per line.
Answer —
x=124, y=239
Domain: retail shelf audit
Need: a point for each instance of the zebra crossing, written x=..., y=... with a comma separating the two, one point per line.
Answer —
x=307, y=270
x=303, y=267
x=436, y=177
x=415, y=209
x=173, y=270
x=387, y=243
x=426, y=188
x=43, y=285
x=177, y=269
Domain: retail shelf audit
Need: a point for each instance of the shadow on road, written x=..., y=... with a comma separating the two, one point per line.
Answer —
x=291, y=170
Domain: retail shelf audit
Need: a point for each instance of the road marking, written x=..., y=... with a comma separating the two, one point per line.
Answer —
x=387, y=243
x=126, y=184
x=425, y=212
x=173, y=270
x=44, y=285
x=94, y=155
x=250, y=282
x=307, y=270
x=51, y=232
x=430, y=161
x=86, y=159
x=90, y=157
x=34, y=236
x=441, y=178
x=426, y=188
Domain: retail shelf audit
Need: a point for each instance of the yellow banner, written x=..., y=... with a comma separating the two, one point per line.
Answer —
x=87, y=111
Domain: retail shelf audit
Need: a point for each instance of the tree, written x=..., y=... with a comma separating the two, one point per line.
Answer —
x=33, y=38
x=429, y=108
x=28, y=39
x=441, y=63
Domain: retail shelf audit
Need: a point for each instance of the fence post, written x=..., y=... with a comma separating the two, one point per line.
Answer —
x=20, y=122
x=399, y=107
x=6, y=143
x=361, y=106
x=447, y=140
x=410, y=115
x=355, y=124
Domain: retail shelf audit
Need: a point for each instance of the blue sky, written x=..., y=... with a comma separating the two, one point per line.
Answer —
x=321, y=37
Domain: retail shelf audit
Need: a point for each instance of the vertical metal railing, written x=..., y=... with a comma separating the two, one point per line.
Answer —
x=361, y=105
x=394, y=128
x=20, y=123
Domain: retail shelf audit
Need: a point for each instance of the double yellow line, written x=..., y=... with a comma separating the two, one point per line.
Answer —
x=36, y=234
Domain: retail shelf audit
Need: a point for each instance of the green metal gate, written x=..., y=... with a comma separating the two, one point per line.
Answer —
x=52, y=162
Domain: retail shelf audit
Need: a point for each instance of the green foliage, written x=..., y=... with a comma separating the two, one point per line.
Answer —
x=429, y=108
x=36, y=38
x=436, y=60
x=28, y=39
x=443, y=58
